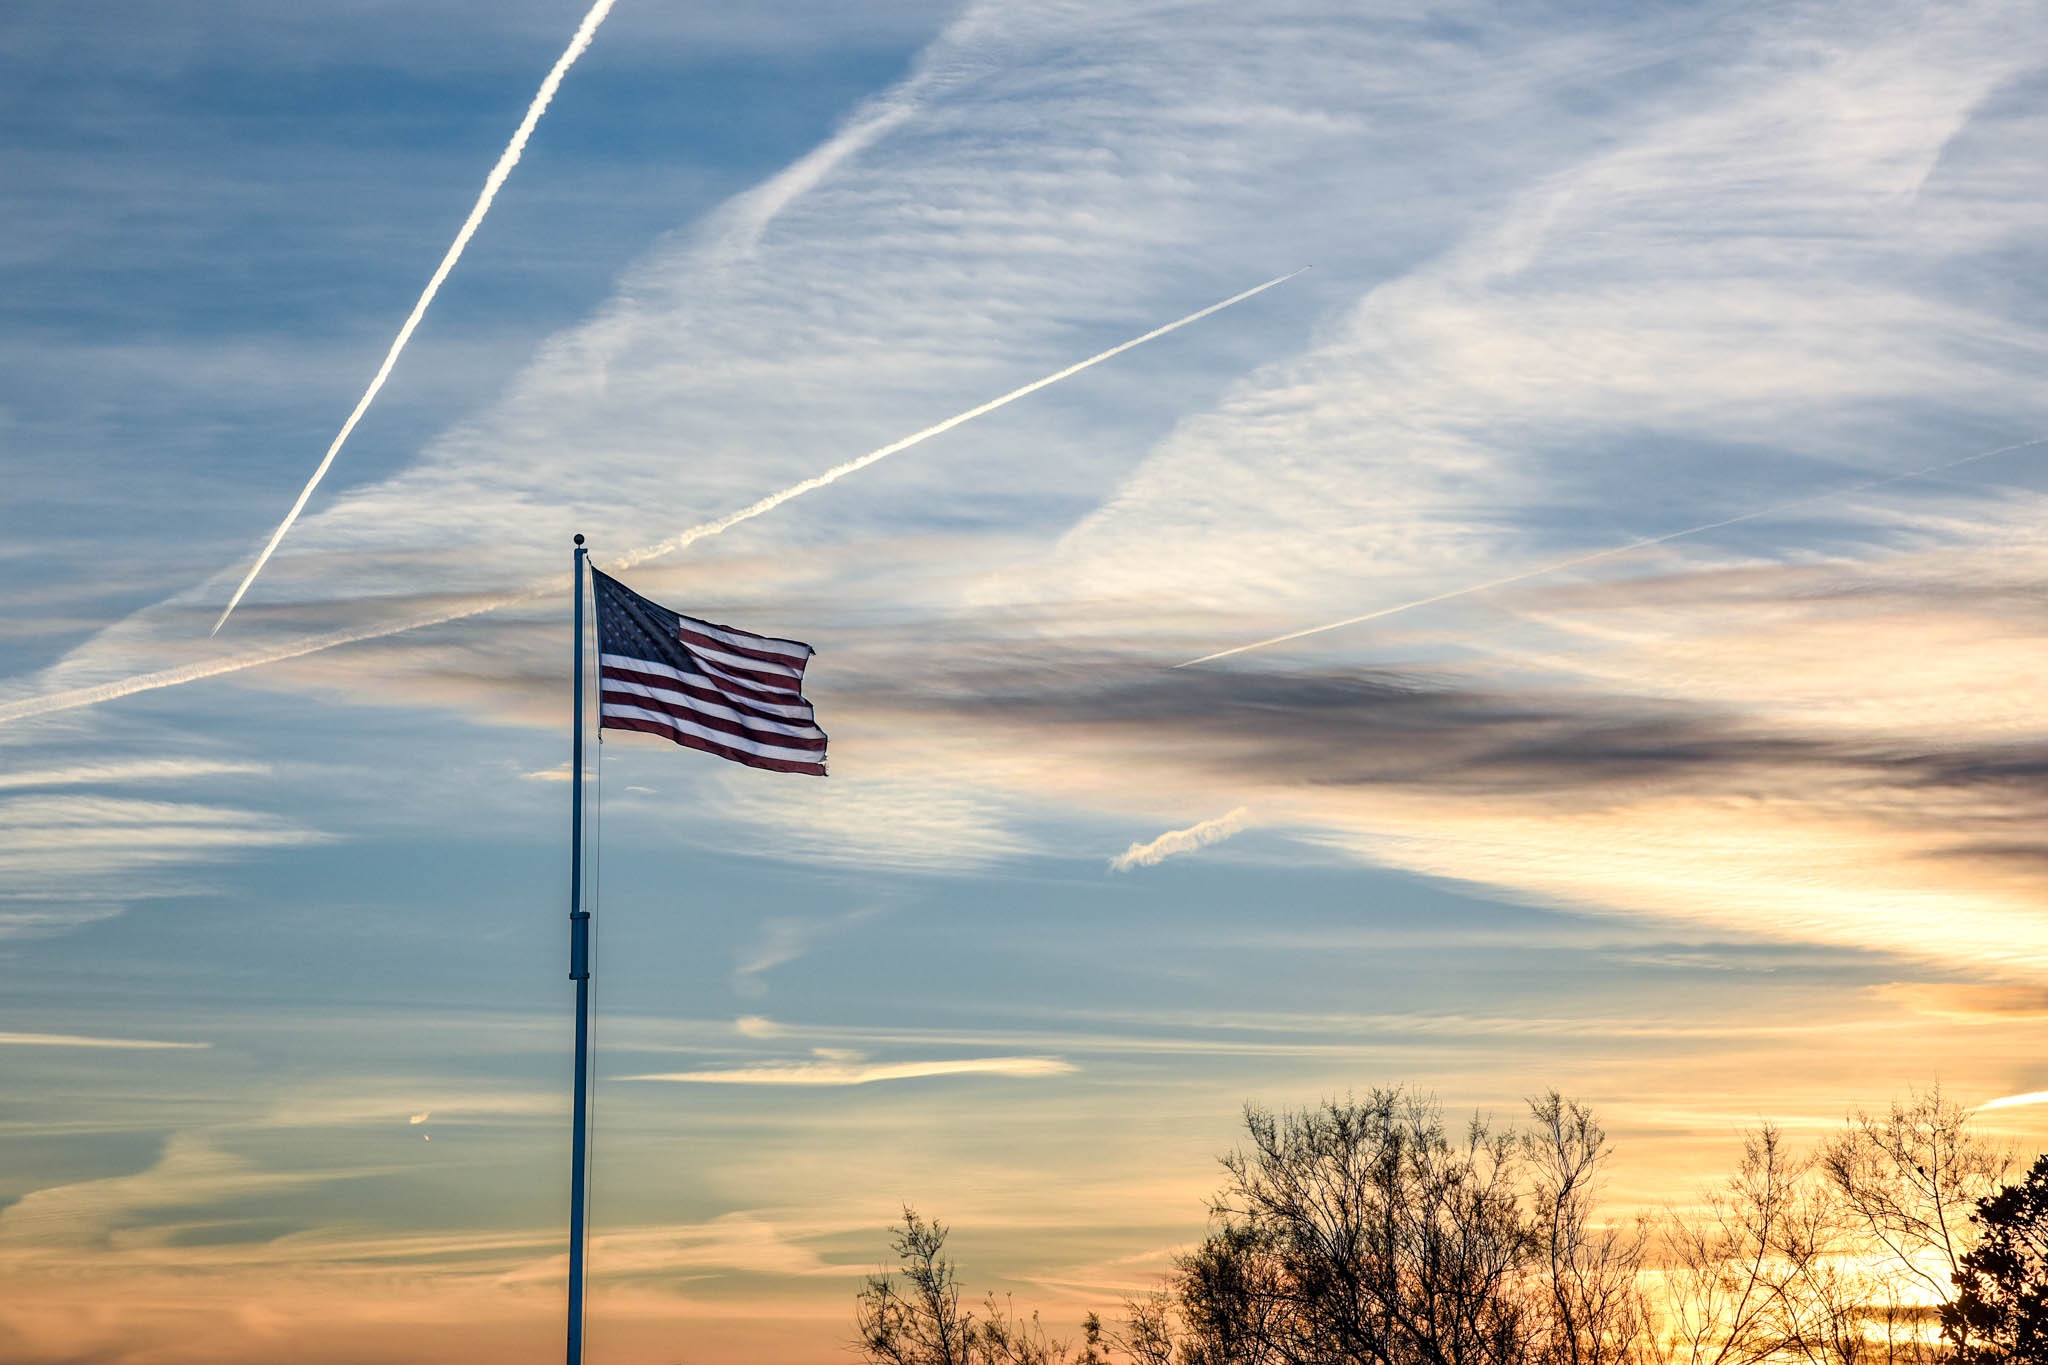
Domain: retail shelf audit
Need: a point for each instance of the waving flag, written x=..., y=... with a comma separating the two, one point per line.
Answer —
x=728, y=692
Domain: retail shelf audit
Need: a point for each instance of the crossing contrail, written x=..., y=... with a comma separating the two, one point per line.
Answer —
x=1592, y=556
x=584, y=33
x=71, y=700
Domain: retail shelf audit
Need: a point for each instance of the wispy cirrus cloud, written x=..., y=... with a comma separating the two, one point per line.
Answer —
x=96, y=774
x=71, y=858
x=190, y=1173
x=784, y=939
x=88, y=1041
x=1969, y=1002
x=839, y=1073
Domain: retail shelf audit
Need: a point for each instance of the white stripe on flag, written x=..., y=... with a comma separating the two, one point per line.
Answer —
x=693, y=703
x=703, y=680
x=751, y=687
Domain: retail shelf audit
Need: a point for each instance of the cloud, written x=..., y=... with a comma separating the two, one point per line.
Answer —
x=1177, y=841
x=785, y=939
x=1763, y=815
x=136, y=770
x=75, y=1040
x=2014, y=1101
x=870, y=231
x=1588, y=557
x=78, y=835
x=47, y=703
x=847, y=1073
x=72, y=858
x=915, y=814
x=1968, y=1003
x=1740, y=275
x=354, y=1105
x=190, y=1173
x=747, y=1242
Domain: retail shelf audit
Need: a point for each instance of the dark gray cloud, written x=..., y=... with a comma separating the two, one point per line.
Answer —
x=1360, y=727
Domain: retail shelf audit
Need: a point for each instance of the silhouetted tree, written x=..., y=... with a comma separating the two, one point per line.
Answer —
x=1366, y=1233
x=914, y=1317
x=1832, y=1259
x=920, y=1323
x=1908, y=1180
x=1910, y=1177
x=2001, y=1309
x=1594, y=1311
x=1763, y=1269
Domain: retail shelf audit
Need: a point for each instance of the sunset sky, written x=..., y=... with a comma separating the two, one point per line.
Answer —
x=1748, y=823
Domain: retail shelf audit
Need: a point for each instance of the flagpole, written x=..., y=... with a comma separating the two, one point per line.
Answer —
x=579, y=972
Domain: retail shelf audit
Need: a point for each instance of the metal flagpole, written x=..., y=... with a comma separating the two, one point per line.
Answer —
x=579, y=972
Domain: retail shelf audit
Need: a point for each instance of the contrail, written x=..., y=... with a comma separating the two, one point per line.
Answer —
x=1590, y=557
x=584, y=33
x=213, y=668
x=840, y=471
x=1177, y=841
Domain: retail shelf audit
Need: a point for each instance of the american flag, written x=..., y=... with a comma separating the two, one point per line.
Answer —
x=728, y=692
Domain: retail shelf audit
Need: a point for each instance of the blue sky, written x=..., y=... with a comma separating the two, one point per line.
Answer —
x=1739, y=824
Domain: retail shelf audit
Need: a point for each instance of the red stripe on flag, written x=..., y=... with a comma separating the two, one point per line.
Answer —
x=696, y=716
x=777, y=684
x=703, y=641
x=676, y=680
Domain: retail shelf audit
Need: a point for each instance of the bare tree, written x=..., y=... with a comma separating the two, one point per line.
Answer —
x=1364, y=1233
x=1150, y=1335
x=1594, y=1312
x=1911, y=1178
x=920, y=1323
x=1234, y=1299
x=1003, y=1336
x=1772, y=1268
x=914, y=1317
x=1368, y=1233
x=1722, y=1303
x=1829, y=1260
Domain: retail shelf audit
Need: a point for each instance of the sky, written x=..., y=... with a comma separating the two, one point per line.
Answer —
x=1656, y=410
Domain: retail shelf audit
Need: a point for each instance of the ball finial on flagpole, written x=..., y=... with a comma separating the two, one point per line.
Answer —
x=579, y=537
